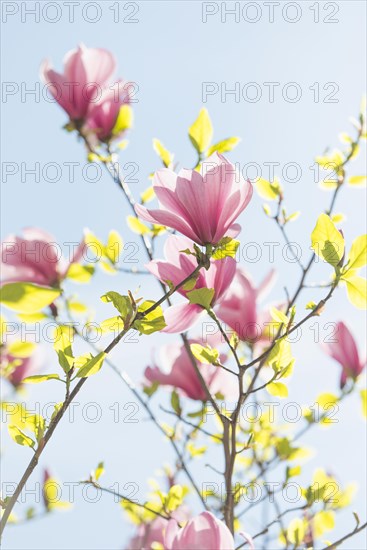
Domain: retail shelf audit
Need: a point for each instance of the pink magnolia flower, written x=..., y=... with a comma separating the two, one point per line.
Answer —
x=35, y=258
x=176, y=370
x=86, y=72
x=176, y=268
x=149, y=533
x=204, y=531
x=15, y=369
x=239, y=307
x=202, y=206
x=103, y=115
x=345, y=351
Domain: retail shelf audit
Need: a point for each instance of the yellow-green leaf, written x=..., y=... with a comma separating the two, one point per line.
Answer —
x=357, y=181
x=267, y=190
x=163, y=153
x=205, y=355
x=296, y=532
x=224, y=146
x=357, y=256
x=121, y=303
x=278, y=389
x=124, y=120
x=327, y=241
x=27, y=297
x=147, y=195
x=174, y=498
x=20, y=437
x=279, y=316
x=113, y=324
x=137, y=226
x=363, y=394
x=92, y=366
x=153, y=321
x=21, y=349
x=99, y=471
x=357, y=291
x=201, y=132
x=63, y=338
x=323, y=521
x=114, y=246
x=227, y=247
x=80, y=273
x=32, y=317
x=38, y=378
x=338, y=218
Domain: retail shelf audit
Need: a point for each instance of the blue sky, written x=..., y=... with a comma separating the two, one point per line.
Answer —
x=170, y=52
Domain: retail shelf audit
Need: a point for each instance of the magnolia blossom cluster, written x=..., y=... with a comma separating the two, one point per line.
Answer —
x=86, y=92
x=202, y=206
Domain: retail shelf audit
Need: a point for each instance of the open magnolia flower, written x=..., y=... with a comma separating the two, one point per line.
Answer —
x=150, y=535
x=202, y=206
x=345, y=351
x=203, y=532
x=177, y=371
x=86, y=72
x=239, y=307
x=179, y=265
x=35, y=258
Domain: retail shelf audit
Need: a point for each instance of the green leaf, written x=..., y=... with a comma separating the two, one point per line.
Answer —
x=124, y=120
x=357, y=256
x=278, y=389
x=92, y=366
x=201, y=132
x=268, y=190
x=38, y=378
x=326, y=241
x=205, y=355
x=121, y=303
x=163, y=153
x=226, y=247
x=175, y=402
x=202, y=297
x=224, y=146
x=152, y=322
x=80, y=273
x=19, y=437
x=27, y=297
